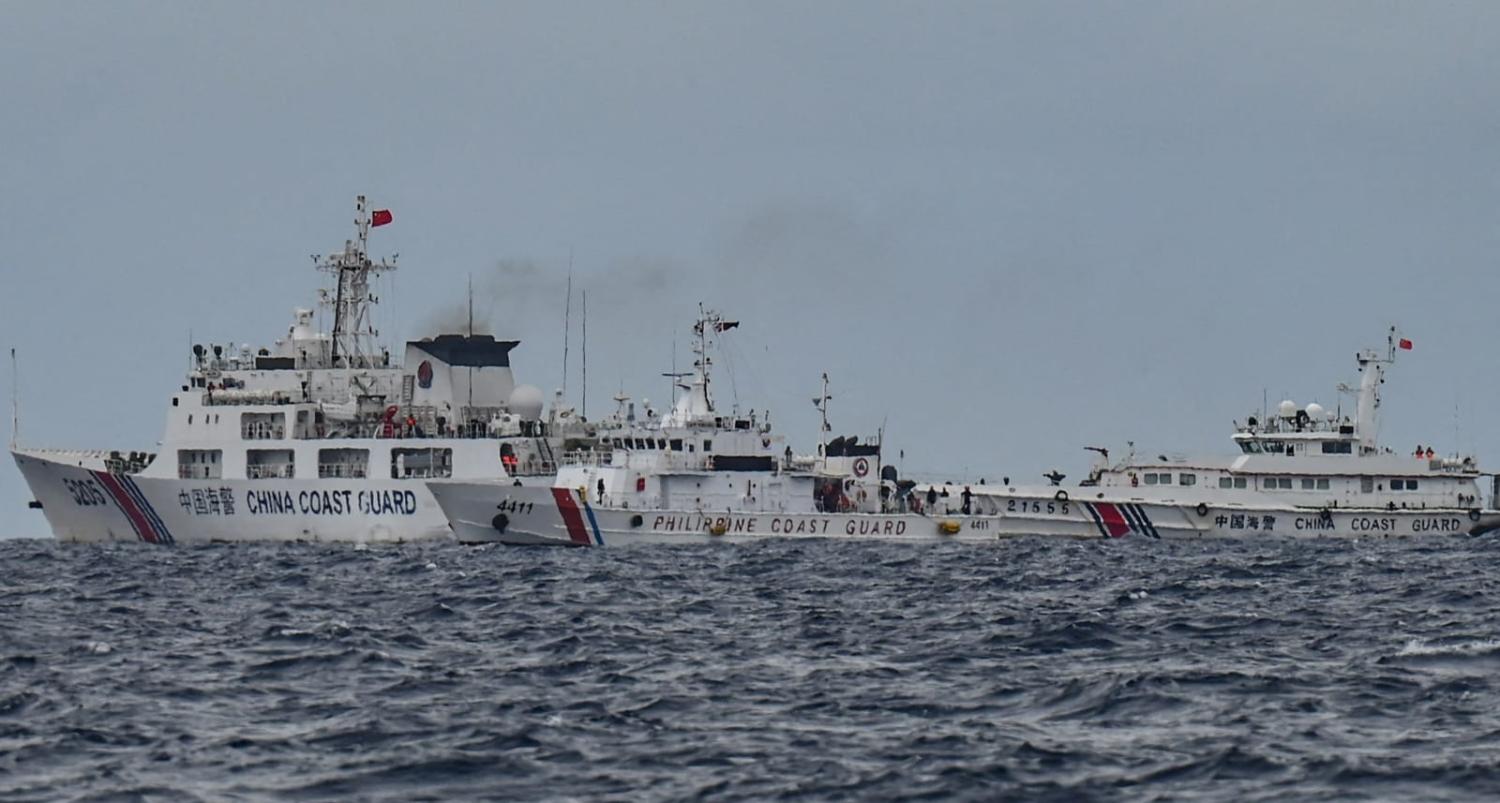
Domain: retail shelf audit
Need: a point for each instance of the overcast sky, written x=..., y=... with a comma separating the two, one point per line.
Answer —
x=1007, y=230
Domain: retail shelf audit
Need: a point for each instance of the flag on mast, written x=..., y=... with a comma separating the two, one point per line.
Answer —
x=1404, y=344
x=380, y=217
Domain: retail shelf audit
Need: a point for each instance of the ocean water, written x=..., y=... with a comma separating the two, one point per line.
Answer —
x=1035, y=669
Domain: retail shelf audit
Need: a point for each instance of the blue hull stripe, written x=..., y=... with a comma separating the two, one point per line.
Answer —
x=1098, y=522
x=593, y=524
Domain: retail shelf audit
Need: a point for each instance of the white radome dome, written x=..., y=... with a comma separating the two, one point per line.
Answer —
x=526, y=402
x=1315, y=411
x=1287, y=409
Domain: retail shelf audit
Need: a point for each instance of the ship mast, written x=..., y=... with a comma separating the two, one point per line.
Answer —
x=821, y=402
x=1367, y=408
x=15, y=401
x=696, y=405
x=706, y=320
x=353, y=333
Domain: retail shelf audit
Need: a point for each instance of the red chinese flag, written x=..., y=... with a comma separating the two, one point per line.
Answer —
x=380, y=217
x=1404, y=343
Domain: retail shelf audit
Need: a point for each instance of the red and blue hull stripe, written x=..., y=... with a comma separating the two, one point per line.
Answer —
x=579, y=532
x=1119, y=519
x=127, y=496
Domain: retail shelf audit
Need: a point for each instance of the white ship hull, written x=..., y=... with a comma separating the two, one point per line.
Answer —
x=84, y=503
x=492, y=513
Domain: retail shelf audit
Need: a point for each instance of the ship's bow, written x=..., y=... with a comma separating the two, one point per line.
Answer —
x=487, y=513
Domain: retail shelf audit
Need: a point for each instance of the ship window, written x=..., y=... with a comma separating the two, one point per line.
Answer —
x=262, y=426
x=1367, y=485
x=1269, y=483
x=1338, y=447
x=421, y=463
x=1307, y=483
x=343, y=463
x=1240, y=482
x=1322, y=483
x=1226, y=482
x=266, y=464
x=1285, y=483
x=1398, y=485
x=198, y=464
x=677, y=444
x=1150, y=479
x=1187, y=479
x=1411, y=485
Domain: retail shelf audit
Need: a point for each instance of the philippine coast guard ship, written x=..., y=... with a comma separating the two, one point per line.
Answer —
x=696, y=474
x=321, y=436
x=1302, y=473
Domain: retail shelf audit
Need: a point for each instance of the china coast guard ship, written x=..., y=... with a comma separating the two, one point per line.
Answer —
x=1307, y=471
x=321, y=436
x=1302, y=473
x=1298, y=472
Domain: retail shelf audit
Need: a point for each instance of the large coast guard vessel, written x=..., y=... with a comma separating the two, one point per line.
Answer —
x=1302, y=473
x=320, y=436
x=1305, y=471
x=1298, y=472
x=698, y=473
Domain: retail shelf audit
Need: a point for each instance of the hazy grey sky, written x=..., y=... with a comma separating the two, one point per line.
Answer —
x=1006, y=229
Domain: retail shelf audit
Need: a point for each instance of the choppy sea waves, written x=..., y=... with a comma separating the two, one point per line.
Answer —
x=1037, y=669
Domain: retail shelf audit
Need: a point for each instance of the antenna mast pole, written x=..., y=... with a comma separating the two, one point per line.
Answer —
x=567, y=323
x=822, y=403
x=703, y=360
x=15, y=404
x=585, y=412
x=471, y=335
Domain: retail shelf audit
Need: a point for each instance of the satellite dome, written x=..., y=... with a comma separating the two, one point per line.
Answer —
x=526, y=402
x=1315, y=411
x=1287, y=409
